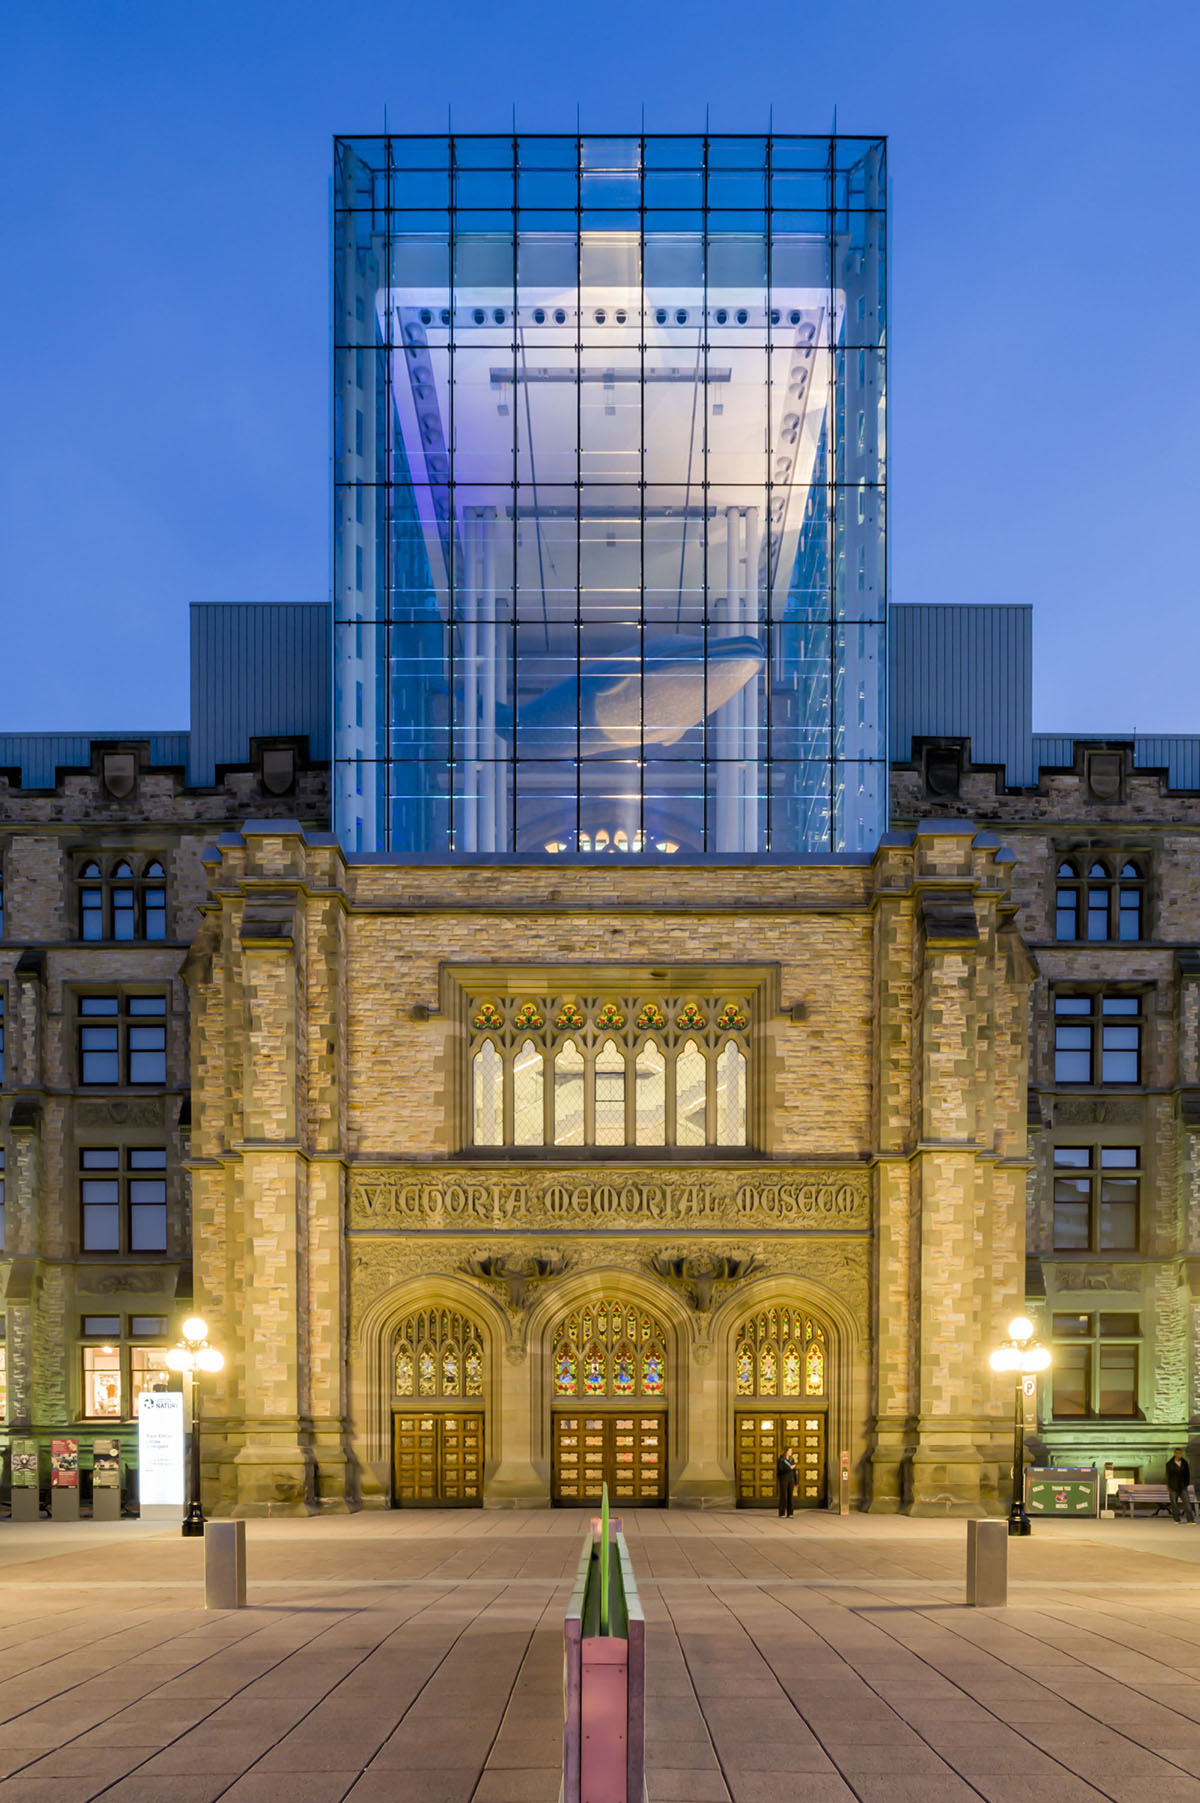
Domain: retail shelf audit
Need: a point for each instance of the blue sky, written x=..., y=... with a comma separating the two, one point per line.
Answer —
x=163, y=224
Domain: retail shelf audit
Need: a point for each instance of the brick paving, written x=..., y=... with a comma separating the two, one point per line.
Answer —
x=416, y=1658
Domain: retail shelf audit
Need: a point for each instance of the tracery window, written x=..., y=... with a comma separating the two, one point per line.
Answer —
x=122, y=899
x=780, y=1352
x=439, y=1353
x=607, y=1070
x=610, y=1349
x=1099, y=898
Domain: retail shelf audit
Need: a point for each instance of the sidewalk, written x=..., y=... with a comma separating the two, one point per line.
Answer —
x=417, y=1658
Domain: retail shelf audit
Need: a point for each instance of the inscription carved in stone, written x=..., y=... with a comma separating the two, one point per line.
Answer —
x=499, y=1198
x=119, y=1114
x=1087, y=1111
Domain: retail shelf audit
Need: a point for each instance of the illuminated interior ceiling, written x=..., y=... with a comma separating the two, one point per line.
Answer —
x=718, y=414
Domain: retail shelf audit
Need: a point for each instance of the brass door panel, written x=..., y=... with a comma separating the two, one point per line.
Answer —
x=437, y=1460
x=628, y=1452
x=759, y=1439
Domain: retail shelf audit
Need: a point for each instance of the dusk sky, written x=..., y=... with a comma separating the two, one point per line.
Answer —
x=165, y=307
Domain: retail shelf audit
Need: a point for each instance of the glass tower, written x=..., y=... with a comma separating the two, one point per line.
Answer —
x=609, y=523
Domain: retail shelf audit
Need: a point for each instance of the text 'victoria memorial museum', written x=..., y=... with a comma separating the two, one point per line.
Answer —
x=608, y=1048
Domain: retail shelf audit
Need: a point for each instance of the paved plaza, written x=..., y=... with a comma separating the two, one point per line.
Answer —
x=416, y=1658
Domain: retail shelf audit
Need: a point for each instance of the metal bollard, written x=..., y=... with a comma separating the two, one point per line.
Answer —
x=224, y=1565
x=987, y=1564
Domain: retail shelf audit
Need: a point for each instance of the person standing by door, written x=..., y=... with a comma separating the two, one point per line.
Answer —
x=1179, y=1477
x=786, y=1472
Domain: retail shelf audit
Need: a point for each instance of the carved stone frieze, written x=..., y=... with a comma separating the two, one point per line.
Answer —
x=839, y=1265
x=147, y=1112
x=499, y=1197
x=1087, y=1111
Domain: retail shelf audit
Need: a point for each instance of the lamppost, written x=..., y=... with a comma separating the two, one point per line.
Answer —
x=192, y=1354
x=1022, y=1355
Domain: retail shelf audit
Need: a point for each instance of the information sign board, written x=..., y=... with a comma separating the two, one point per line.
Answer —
x=25, y=1464
x=64, y=1464
x=160, y=1450
x=1062, y=1490
x=106, y=1464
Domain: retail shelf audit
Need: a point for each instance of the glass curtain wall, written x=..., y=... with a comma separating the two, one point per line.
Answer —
x=609, y=567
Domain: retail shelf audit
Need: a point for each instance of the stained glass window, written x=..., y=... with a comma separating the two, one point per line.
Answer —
x=744, y=1362
x=779, y=1352
x=595, y=1371
x=438, y=1353
x=622, y=1352
x=618, y=1071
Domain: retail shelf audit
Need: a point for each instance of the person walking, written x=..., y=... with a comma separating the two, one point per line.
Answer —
x=785, y=1470
x=1179, y=1494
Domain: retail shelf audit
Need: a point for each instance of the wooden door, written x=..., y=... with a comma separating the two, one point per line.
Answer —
x=759, y=1439
x=626, y=1452
x=438, y=1460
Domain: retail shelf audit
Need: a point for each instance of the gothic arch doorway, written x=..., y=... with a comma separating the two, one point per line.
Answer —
x=780, y=1383
x=609, y=1387
x=439, y=1382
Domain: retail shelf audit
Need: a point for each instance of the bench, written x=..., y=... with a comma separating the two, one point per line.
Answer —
x=1152, y=1496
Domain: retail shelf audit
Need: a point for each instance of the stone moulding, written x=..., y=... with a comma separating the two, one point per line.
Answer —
x=498, y=1198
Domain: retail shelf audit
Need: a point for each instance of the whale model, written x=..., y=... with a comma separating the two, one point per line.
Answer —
x=647, y=697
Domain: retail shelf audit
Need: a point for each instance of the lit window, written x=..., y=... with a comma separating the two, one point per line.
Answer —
x=121, y=900
x=122, y=1040
x=1097, y=1038
x=118, y=1367
x=608, y=1070
x=780, y=1352
x=123, y=1199
x=3, y=1372
x=1099, y=899
x=1096, y=1193
x=609, y=1349
x=1095, y=1366
x=438, y=1353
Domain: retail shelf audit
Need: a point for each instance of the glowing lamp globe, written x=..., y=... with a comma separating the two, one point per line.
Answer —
x=1005, y=1358
x=194, y=1328
x=1037, y=1358
x=178, y=1359
x=1020, y=1328
x=209, y=1359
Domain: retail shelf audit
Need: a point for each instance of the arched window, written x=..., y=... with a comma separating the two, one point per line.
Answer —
x=609, y=1349
x=439, y=1353
x=1099, y=898
x=608, y=1070
x=122, y=901
x=780, y=1352
x=529, y=1125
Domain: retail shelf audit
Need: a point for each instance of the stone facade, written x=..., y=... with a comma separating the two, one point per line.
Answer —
x=1103, y=812
x=120, y=808
x=335, y=1189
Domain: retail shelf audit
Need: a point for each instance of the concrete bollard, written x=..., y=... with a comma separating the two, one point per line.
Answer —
x=224, y=1565
x=987, y=1564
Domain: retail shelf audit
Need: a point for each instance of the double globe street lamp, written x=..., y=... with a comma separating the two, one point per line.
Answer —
x=1024, y=1357
x=190, y=1356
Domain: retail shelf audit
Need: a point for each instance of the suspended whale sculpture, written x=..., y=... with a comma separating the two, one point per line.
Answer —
x=652, y=698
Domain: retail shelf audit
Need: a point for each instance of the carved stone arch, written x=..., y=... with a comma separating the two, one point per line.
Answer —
x=847, y=1375
x=371, y=1369
x=611, y=1280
